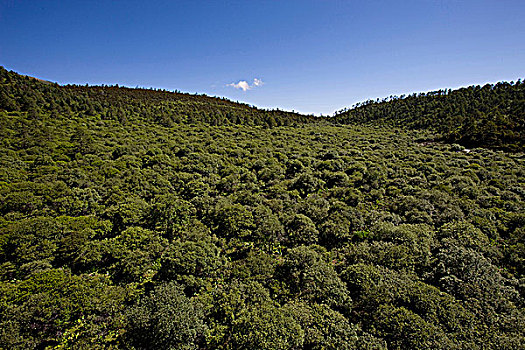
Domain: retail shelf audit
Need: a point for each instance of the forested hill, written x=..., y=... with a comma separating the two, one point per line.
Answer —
x=490, y=116
x=23, y=93
x=128, y=221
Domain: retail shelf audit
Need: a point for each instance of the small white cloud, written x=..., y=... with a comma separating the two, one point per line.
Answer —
x=244, y=86
x=257, y=82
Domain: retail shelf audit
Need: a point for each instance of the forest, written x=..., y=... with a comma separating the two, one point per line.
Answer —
x=490, y=116
x=149, y=219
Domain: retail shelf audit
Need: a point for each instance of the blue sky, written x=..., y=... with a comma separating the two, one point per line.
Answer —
x=312, y=56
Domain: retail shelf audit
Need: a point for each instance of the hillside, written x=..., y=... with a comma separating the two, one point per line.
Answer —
x=129, y=220
x=491, y=116
x=22, y=93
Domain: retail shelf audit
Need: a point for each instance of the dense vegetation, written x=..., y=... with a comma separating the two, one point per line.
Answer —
x=478, y=116
x=135, y=233
x=21, y=93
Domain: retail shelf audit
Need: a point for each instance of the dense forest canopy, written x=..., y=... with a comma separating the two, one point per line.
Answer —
x=22, y=93
x=477, y=116
x=139, y=219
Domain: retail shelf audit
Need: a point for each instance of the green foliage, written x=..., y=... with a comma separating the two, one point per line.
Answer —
x=125, y=105
x=266, y=327
x=165, y=319
x=193, y=260
x=133, y=218
x=477, y=116
x=309, y=276
x=47, y=308
x=328, y=329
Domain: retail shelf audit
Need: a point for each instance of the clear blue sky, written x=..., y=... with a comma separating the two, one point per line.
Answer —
x=313, y=56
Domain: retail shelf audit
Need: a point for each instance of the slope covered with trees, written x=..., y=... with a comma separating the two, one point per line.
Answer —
x=130, y=233
x=22, y=93
x=490, y=116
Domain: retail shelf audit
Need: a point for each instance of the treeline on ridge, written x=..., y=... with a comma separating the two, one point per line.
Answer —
x=23, y=93
x=491, y=116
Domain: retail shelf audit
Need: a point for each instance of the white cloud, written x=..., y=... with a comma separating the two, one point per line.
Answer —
x=244, y=85
x=257, y=82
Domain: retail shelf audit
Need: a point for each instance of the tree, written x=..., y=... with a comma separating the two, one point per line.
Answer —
x=165, y=319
